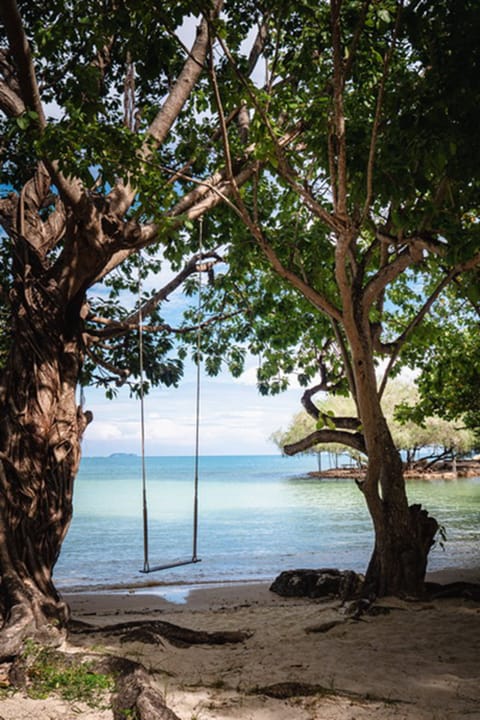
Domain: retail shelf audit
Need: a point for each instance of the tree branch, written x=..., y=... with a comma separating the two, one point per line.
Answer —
x=122, y=195
x=378, y=112
x=338, y=110
x=283, y=166
x=121, y=373
x=10, y=103
x=182, y=88
x=22, y=54
x=414, y=323
x=346, y=359
x=116, y=329
x=353, y=440
x=352, y=50
x=344, y=423
x=152, y=303
x=386, y=275
x=254, y=228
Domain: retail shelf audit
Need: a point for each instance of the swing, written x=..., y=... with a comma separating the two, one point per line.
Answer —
x=147, y=568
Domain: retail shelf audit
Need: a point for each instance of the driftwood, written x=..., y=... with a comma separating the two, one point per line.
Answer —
x=155, y=631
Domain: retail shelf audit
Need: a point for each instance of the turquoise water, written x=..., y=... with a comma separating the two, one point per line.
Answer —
x=258, y=515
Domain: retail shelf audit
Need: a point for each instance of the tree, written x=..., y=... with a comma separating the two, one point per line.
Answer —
x=116, y=136
x=369, y=216
x=439, y=437
x=446, y=358
x=108, y=147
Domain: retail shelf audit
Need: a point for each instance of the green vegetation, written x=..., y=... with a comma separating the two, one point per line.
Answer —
x=332, y=151
x=444, y=439
x=51, y=672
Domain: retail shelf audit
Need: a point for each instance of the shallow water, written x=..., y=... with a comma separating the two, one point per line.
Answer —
x=258, y=515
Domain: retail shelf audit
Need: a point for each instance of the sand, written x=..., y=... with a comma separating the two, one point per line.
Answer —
x=418, y=661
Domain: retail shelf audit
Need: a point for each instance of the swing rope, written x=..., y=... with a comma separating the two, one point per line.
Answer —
x=146, y=566
x=194, y=559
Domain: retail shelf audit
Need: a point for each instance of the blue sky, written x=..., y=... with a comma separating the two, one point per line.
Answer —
x=235, y=418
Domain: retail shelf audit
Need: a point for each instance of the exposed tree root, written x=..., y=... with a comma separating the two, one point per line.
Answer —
x=467, y=590
x=135, y=694
x=22, y=625
x=155, y=631
x=287, y=690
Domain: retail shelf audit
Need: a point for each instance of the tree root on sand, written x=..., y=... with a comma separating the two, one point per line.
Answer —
x=155, y=631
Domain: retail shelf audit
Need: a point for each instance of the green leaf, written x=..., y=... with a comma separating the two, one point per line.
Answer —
x=23, y=121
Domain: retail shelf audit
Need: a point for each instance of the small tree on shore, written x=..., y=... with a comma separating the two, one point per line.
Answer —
x=434, y=439
x=371, y=210
x=116, y=136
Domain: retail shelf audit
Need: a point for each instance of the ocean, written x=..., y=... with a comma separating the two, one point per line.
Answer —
x=258, y=515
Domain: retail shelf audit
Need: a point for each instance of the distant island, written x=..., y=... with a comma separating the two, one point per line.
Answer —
x=444, y=469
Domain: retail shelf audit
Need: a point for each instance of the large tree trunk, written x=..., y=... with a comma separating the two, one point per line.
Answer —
x=40, y=432
x=403, y=534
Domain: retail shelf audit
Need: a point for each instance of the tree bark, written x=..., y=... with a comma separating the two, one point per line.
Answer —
x=40, y=432
x=403, y=534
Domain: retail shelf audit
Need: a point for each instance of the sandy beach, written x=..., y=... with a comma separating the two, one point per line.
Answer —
x=299, y=660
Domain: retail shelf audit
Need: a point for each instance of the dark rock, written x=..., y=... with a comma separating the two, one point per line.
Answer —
x=467, y=590
x=321, y=583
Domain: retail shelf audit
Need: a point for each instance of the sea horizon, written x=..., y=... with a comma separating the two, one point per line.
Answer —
x=258, y=515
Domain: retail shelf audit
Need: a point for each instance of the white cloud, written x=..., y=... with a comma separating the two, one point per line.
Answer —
x=235, y=419
x=105, y=430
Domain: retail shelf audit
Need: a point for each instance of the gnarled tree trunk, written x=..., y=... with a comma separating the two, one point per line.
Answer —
x=403, y=534
x=40, y=432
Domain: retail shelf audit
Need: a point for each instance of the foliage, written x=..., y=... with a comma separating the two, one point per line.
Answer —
x=407, y=142
x=434, y=434
x=447, y=357
x=340, y=191
x=105, y=86
x=49, y=671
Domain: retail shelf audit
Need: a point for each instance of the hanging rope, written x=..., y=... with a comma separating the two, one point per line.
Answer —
x=197, y=401
x=194, y=559
x=146, y=567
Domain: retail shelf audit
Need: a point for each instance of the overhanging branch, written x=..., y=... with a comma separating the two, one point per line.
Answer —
x=327, y=436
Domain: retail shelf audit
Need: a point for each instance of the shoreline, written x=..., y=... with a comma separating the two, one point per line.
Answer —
x=206, y=595
x=159, y=587
x=464, y=469
x=296, y=659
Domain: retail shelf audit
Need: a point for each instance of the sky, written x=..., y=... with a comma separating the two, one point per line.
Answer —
x=234, y=418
